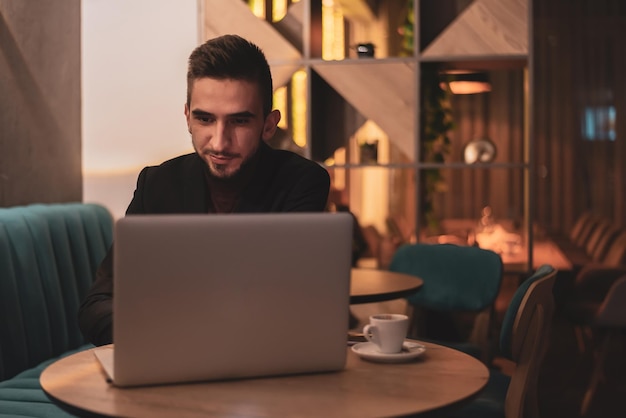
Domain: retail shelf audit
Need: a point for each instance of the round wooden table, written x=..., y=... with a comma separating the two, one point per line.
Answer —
x=438, y=381
x=371, y=285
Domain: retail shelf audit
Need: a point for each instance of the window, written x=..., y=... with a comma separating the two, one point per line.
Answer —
x=598, y=123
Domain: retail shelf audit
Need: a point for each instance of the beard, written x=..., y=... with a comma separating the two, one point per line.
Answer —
x=226, y=171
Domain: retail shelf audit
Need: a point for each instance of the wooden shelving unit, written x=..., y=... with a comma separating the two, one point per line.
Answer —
x=346, y=97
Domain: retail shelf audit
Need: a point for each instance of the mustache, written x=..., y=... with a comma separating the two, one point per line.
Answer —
x=220, y=153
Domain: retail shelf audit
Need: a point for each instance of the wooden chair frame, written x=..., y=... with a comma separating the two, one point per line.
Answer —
x=531, y=332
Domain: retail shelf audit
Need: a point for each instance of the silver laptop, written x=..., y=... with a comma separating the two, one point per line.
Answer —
x=205, y=297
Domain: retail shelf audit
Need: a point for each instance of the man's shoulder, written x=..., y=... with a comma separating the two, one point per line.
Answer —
x=286, y=182
x=175, y=171
x=290, y=161
x=181, y=162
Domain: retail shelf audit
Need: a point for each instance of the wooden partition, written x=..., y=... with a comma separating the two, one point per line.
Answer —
x=40, y=102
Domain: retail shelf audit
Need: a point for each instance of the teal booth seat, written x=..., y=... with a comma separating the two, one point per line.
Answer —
x=48, y=257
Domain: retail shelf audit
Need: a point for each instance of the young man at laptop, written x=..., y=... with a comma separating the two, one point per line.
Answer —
x=229, y=116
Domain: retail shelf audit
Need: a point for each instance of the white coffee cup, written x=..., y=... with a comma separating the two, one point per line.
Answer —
x=387, y=332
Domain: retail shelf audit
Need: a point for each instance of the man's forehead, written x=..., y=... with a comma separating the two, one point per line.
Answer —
x=239, y=95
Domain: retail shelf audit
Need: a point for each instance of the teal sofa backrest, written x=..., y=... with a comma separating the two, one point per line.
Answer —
x=48, y=257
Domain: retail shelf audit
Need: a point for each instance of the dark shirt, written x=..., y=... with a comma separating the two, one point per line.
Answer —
x=224, y=194
x=281, y=182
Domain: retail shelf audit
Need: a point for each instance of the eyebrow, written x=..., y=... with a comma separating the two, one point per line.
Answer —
x=244, y=114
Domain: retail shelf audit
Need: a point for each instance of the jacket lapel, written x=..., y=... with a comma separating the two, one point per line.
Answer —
x=255, y=192
x=195, y=197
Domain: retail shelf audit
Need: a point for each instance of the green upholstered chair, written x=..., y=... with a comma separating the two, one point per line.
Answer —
x=457, y=279
x=48, y=256
x=523, y=339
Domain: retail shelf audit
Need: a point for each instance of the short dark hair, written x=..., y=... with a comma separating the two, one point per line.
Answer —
x=231, y=56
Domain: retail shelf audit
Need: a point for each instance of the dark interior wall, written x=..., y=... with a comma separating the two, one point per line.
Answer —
x=579, y=62
x=40, y=102
x=499, y=117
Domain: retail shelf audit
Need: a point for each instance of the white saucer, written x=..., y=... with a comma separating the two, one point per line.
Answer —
x=369, y=351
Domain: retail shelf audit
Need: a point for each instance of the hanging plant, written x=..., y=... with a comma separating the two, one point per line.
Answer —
x=436, y=123
x=406, y=31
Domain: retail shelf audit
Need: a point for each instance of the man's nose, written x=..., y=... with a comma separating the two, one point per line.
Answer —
x=221, y=137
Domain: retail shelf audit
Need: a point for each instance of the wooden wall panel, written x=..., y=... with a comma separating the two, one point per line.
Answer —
x=578, y=62
x=497, y=115
x=40, y=102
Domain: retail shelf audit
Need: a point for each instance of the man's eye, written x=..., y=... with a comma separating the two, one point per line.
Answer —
x=240, y=121
x=204, y=119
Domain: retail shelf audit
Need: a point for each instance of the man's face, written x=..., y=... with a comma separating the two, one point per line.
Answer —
x=225, y=119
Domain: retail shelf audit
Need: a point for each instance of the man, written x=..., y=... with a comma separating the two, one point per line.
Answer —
x=229, y=116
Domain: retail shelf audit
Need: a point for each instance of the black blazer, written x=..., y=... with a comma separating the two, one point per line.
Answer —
x=282, y=182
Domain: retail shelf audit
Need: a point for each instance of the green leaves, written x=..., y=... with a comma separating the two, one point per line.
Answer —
x=436, y=122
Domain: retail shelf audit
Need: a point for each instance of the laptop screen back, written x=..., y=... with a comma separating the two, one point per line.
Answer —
x=201, y=297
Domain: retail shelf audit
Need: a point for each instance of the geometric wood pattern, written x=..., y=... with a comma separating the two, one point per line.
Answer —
x=357, y=10
x=235, y=17
x=381, y=91
x=484, y=28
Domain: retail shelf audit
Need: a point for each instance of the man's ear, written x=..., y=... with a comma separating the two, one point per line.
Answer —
x=187, y=116
x=271, y=121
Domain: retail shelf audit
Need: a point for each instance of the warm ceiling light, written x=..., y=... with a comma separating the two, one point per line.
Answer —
x=465, y=82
